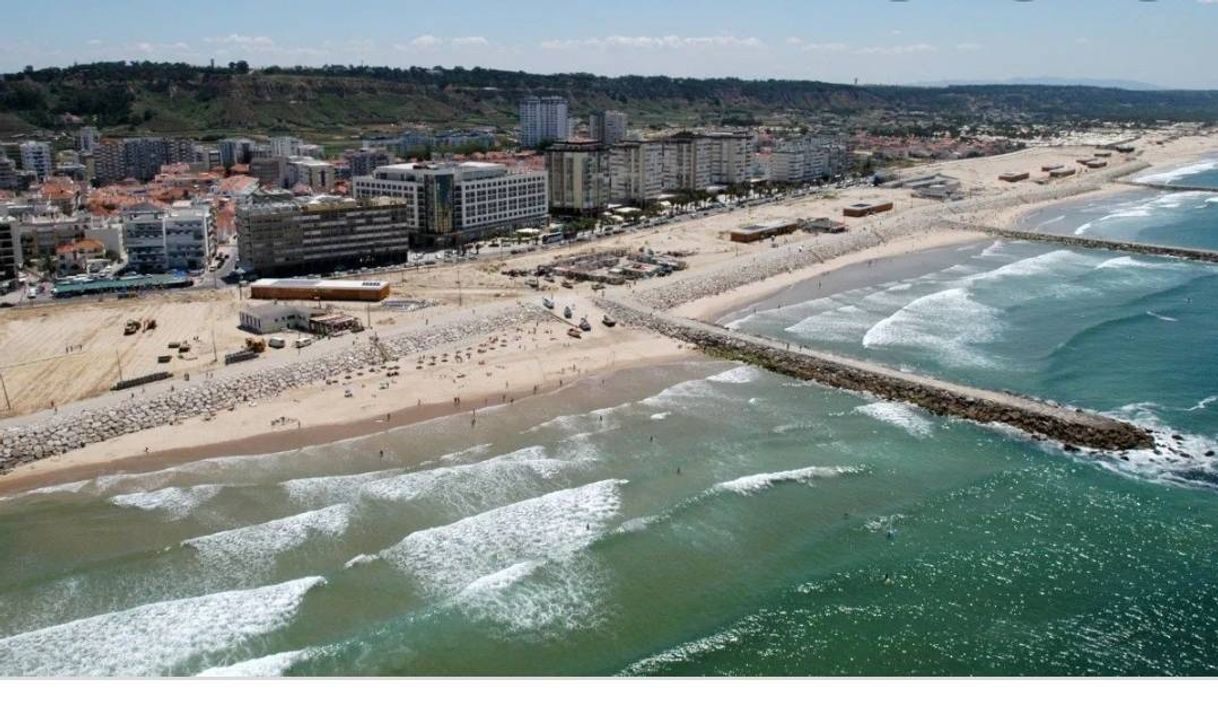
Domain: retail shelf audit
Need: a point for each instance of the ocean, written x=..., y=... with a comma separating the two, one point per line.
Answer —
x=701, y=518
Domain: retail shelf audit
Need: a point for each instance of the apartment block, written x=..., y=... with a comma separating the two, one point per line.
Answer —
x=318, y=175
x=36, y=158
x=543, y=119
x=182, y=237
x=9, y=248
x=807, y=159
x=607, y=126
x=454, y=203
x=578, y=174
x=139, y=158
x=87, y=139
x=322, y=233
x=363, y=162
x=636, y=171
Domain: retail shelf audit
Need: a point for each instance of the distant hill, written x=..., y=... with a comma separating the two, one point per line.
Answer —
x=184, y=99
x=1048, y=80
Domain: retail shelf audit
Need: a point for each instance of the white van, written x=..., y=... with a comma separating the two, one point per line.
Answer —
x=276, y=342
x=303, y=342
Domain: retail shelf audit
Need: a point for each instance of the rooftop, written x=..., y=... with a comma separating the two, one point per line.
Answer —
x=316, y=283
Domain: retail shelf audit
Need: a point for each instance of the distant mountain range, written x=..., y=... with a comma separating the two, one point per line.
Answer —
x=177, y=98
x=1048, y=80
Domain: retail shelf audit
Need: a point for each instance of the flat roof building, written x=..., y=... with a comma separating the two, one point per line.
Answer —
x=324, y=290
x=320, y=234
x=453, y=203
x=763, y=230
x=578, y=174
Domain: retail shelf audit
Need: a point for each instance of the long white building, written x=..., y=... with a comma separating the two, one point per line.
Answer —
x=453, y=203
x=806, y=159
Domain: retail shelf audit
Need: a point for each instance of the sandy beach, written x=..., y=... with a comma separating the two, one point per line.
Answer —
x=526, y=359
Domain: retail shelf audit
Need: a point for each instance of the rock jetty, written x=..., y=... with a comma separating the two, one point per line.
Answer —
x=1073, y=427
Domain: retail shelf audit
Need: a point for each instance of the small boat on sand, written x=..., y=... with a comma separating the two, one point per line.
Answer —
x=609, y=321
x=547, y=303
x=567, y=284
x=566, y=312
x=584, y=325
x=574, y=334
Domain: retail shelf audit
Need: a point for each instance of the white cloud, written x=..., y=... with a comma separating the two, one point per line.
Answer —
x=470, y=41
x=426, y=41
x=898, y=50
x=150, y=48
x=241, y=40
x=670, y=41
x=968, y=46
x=94, y=42
x=830, y=46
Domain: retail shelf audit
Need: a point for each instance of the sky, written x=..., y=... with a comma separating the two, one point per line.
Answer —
x=1169, y=43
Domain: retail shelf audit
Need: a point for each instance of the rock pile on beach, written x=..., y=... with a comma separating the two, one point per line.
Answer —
x=71, y=430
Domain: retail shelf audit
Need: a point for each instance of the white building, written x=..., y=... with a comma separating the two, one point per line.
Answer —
x=805, y=159
x=87, y=139
x=578, y=173
x=636, y=171
x=284, y=146
x=317, y=174
x=607, y=126
x=36, y=158
x=543, y=119
x=271, y=317
x=453, y=203
x=179, y=238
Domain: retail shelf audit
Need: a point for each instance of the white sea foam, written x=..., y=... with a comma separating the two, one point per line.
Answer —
x=178, y=502
x=154, y=639
x=752, y=484
x=660, y=415
x=474, y=487
x=1180, y=172
x=719, y=641
x=538, y=597
x=447, y=559
x=257, y=545
x=68, y=488
x=330, y=489
x=846, y=323
x=361, y=559
x=737, y=376
x=900, y=415
x=949, y=321
x=1202, y=404
x=1165, y=318
x=1178, y=457
x=272, y=666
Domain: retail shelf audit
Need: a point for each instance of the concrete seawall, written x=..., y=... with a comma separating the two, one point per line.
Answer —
x=1072, y=427
x=1203, y=255
x=1175, y=187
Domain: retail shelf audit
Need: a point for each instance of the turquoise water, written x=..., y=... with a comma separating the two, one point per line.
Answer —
x=695, y=519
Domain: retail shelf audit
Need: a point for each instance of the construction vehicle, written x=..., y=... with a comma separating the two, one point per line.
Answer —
x=255, y=345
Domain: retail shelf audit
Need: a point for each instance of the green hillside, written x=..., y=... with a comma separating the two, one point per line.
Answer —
x=182, y=99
